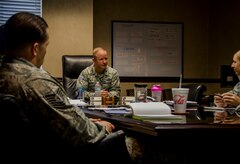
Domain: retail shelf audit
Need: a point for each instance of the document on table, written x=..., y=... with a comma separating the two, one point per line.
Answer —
x=214, y=108
x=152, y=110
x=77, y=102
x=107, y=108
x=113, y=110
x=189, y=103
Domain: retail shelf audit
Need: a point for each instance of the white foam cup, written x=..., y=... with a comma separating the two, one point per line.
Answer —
x=180, y=96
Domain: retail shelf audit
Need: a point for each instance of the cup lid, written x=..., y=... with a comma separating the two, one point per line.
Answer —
x=140, y=85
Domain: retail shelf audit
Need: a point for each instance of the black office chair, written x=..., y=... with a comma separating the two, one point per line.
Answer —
x=16, y=139
x=167, y=94
x=21, y=139
x=196, y=92
x=72, y=66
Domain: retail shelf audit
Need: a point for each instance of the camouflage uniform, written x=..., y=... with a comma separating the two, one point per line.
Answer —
x=236, y=89
x=46, y=103
x=109, y=81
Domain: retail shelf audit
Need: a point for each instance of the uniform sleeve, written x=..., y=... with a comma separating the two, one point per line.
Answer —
x=115, y=86
x=237, y=110
x=52, y=108
x=83, y=82
x=236, y=89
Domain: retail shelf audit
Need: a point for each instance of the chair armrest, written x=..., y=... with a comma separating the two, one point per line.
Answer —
x=113, y=146
x=115, y=137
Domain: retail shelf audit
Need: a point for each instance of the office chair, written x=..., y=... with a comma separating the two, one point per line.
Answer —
x=72, y=66
x=196, y=92
x=167, y=94
x=22, y=139
x=16, y=137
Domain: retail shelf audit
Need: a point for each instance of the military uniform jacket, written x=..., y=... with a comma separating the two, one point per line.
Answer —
x=45, y=102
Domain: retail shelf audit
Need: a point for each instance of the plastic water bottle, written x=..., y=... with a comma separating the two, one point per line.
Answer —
x=80, y=94
x=157, y=92
x=98, y=89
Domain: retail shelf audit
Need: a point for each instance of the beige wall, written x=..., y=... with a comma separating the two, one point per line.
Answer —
x=195, y=17
x=211, y=31
x=71, y=30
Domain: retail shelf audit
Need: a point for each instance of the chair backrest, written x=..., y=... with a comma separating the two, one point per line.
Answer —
x=12, y=112
x=20, y=137
x=167, y=94
x=72, y=66
x=196, y=92
x=17, y=132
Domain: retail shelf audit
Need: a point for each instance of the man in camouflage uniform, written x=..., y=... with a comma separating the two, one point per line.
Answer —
x=43, y=97
x=230, y=98
x=101, y=72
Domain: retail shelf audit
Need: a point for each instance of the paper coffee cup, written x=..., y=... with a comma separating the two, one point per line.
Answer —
x=180, y=96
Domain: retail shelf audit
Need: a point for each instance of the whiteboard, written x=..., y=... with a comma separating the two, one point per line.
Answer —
x=147, y=49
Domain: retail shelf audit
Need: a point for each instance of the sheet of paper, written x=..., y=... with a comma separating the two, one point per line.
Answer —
x=77, y=102
x=117, y=111
x=108, y=108
x=153, y=111
x=214, y=108
x=170, y=102
x=161, y=117
x=150, y=108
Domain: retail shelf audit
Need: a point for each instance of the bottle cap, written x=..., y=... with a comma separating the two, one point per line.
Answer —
x=156, y=88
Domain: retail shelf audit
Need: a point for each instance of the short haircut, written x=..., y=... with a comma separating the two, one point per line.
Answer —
x=95, y=51
x=23, y=28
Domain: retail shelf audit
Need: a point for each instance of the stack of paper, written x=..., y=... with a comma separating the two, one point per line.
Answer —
x=189, y=103
x=214, y=108
x=113, y=110
x=153, y=110
x=77, y=102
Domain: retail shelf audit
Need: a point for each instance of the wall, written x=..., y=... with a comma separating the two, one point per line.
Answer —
x=71, y=31
x=195, y=17
x=211, y=31
x=205, y=25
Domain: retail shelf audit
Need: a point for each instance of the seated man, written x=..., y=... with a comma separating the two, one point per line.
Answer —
x=44, y=100
x=100, y=72
x=230, y=98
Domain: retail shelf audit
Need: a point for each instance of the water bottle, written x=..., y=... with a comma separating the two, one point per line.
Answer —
x=97, y=89
x=157, y=92
x=80, y=94
x=81, y=90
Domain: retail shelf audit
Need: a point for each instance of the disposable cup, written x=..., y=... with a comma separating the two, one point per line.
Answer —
x=180, y=96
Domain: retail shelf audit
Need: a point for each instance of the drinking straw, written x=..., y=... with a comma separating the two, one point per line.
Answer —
x=180, y=81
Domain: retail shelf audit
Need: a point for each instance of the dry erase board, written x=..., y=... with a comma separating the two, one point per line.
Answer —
x=147, y=49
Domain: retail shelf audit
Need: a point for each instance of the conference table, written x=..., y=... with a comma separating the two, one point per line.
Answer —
x=197, y=139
